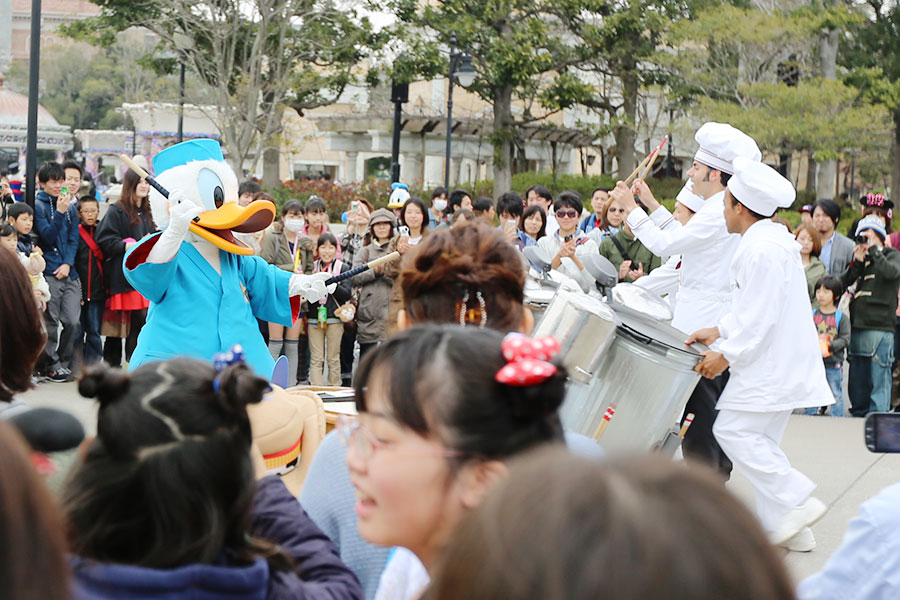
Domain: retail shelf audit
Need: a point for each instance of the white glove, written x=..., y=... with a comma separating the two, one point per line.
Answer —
x=181, y=212
x=311, y=287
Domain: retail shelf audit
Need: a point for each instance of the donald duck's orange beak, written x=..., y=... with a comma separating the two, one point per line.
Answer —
x=216, y=226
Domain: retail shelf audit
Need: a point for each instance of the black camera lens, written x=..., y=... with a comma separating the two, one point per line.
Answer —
x=861, y=239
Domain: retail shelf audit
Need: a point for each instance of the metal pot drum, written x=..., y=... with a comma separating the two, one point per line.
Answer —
x=584, y=326
x=646, y=375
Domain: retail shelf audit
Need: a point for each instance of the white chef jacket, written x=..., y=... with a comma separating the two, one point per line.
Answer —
x=583, y=246
x=706, y=249
x=768, y=336
x=663, y=280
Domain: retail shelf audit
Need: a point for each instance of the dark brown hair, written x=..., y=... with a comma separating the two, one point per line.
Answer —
x=451, y=263
x=170, y=467
x=22, y=335
x=816, y=238
x=467, y=409
x=127, y=201
x=562, y=527
x=32, y=547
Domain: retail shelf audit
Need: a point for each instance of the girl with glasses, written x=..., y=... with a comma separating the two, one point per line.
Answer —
x=568, y=243
x=431, y=440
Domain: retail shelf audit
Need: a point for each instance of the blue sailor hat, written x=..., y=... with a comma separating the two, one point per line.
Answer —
x=185, y=152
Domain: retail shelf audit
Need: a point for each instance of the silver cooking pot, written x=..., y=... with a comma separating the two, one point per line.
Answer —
x=646, y=375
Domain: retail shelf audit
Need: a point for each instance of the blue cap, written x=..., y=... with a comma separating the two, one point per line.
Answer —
x=185, y=152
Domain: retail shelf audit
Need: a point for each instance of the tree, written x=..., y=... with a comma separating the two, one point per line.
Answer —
x=521, y=51
x=83, y=88
x=872, y=57
x=257, y=56
x=823, y=117
x=621, y=45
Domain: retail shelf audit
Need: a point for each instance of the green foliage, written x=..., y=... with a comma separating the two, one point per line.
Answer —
x=824, y=117
x=337, y=197
x=82, y=87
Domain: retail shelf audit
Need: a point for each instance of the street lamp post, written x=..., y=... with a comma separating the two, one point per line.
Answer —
x=181, y=101
x=461, y=68
x=399, y=96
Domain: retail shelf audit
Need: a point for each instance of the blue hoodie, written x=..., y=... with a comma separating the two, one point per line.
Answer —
x=98, y=581
x=57, y=233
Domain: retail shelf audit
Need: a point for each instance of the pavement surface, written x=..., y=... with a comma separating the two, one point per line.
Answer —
x=831, y=451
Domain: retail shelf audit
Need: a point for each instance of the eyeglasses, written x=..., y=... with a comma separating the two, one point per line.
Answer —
x=364, y=443
x=90, y=212
x=563, y=214
x=613, y=209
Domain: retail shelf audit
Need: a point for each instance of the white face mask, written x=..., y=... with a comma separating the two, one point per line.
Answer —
x=294, y=225
x=439, y=205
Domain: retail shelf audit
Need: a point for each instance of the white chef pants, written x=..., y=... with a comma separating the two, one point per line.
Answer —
x=751, y=440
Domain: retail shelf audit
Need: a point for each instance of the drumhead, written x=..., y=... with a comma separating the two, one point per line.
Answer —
x=637, y=300
x=640, y=328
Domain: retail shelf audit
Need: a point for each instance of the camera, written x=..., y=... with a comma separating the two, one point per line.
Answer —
x=403, y=230
x=882, y=432
x=861, y=239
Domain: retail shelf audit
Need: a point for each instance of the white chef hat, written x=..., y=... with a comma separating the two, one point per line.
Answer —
x=759, y=187
x=721, y=143
x=687, y=197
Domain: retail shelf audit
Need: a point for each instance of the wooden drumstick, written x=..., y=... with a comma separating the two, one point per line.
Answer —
x=637, y=169
x=687, y=423
x=604, y=423
x=144, y=175
x=369, y=265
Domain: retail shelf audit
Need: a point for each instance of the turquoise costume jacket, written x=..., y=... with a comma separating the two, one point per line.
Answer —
x=195, y=312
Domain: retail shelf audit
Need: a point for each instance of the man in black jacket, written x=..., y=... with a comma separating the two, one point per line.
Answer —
x=89, y=264
x=876, y=271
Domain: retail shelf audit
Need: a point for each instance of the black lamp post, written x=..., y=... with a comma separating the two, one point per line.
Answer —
x=34, y=68
x=399, y=95
x=181, y=101
x=461, y=68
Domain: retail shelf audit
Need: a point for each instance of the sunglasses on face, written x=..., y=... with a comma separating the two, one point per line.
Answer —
x=564, y=214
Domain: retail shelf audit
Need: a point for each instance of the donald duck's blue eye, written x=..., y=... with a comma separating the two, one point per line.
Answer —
x=212, y=192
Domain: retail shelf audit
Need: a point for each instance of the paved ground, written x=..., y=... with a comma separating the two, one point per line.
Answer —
x=830, y=451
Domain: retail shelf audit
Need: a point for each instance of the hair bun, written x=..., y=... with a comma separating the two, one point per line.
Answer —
x=540, y=400
x=104, y=383
x=238, y=387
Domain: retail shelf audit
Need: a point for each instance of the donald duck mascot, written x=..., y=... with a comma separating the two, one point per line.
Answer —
x=205, y=288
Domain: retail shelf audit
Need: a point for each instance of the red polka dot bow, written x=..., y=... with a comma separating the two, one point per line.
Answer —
x=528, y=360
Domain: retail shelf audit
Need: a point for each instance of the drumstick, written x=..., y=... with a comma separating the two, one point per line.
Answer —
x=653, y=156
x=687, y=423
x=604, y=423
x=144, y=175
x=637, y=169
x=369, y=265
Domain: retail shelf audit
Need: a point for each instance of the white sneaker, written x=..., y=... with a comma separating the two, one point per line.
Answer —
x=803, y=516
x=804, y=541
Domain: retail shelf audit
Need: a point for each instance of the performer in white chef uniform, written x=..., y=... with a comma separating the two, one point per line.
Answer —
x=664, y=279
x=706, y=248
x=769, y=341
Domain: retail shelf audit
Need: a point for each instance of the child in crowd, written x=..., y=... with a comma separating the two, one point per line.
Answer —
x=289, y=249
x=21, y=216
x=374, y=286
x=317, y=221
x=173, y=448
x=324, y=328
x=33, y=263
x=89, y=264
x=833, y=328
